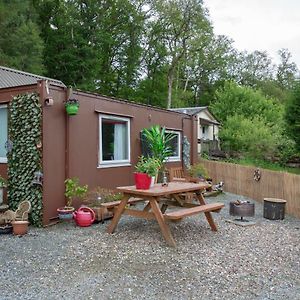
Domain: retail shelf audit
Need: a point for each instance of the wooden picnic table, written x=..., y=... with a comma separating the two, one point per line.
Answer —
x=171, y=195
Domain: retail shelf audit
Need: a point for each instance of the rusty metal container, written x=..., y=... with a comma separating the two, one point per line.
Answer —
x=243, y=209
x=274, y=209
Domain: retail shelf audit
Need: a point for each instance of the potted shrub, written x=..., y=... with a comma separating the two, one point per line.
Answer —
x=198, y=171
x=95, y=198
x=3, y=184
x=72, y=106
x=146, y=169
x=158, y=143
x=73, y=189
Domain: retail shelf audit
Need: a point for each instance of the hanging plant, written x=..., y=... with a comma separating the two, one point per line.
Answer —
x=25, y=158
x=72, y=106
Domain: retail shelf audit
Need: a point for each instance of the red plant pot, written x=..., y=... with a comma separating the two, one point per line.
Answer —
x=142, y=181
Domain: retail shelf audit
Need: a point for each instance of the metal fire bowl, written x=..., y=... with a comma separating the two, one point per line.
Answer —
x=242, y=210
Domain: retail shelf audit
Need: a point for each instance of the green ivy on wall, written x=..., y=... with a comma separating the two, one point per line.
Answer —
x=25, y=155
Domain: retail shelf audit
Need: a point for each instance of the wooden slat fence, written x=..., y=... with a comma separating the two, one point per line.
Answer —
x=239, y=180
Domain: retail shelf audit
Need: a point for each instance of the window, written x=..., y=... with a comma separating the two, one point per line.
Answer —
x=175, y=145
x=114, y=148
x=3, y=133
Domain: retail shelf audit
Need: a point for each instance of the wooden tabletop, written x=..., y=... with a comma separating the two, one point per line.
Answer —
x=171, y=188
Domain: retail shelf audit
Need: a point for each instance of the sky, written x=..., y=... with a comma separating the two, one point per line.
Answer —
x=265, y=25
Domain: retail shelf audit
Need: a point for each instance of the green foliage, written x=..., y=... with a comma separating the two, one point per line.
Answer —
x=73, y=189
x=3, y=182
x=99, y=195
x=149, y=165
x=261, y=163
x=158, y=140
x=198, y=170
x=251, y=136
x=233, y=99
x=21, y=46
x=25, y=158
x=292, y=115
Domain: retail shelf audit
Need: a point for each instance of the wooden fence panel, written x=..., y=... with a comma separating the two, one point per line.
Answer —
x=240, y=180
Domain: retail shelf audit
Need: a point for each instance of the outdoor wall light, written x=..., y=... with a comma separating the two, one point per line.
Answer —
x=38, y=178
x=49, y=101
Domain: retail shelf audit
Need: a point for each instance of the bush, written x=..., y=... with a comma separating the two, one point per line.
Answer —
x=292, y=116
x=252, y=137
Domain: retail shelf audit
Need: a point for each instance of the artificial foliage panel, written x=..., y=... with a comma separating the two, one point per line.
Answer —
x=25, y=153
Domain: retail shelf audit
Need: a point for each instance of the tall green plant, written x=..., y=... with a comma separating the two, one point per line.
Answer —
x=158, y=142
x=25, y=157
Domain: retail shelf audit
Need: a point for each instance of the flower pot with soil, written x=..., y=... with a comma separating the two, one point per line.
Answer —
x=72, y=106
x=20, y=227
x=147, y=167
x=73, y=189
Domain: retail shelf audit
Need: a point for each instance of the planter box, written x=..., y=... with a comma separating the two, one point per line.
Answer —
x=102, y=213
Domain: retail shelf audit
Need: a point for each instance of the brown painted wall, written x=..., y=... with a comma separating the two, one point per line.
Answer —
x=84, y=137
x=70, y=144
x=54, y=146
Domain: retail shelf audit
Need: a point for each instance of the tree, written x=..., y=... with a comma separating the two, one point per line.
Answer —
x=233, y=99
x=182, y=24
x=292, y=115
x=287, y=70
x=21, y=46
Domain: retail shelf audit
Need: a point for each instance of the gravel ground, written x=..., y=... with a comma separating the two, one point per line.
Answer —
x=68, y=262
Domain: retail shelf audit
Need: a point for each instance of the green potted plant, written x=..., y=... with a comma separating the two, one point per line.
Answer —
x=198, y=171
x=73, y=189
x=146, y=169
x=3, y=184
x=72, y=106
x=99, y=195
x=158, y=142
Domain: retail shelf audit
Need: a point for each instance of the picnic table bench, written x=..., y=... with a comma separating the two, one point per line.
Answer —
x=171, y=195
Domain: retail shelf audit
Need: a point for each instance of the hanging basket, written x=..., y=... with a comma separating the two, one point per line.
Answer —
x=72, y=109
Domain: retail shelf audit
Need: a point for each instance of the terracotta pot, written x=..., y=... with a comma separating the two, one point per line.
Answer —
x=20, y=227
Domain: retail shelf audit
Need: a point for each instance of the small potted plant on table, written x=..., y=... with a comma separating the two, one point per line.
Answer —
x=146, y=169
x=73, y=189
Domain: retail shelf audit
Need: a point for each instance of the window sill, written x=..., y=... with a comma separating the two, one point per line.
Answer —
x=173, y=159
x=3, y=160
x=105, y=166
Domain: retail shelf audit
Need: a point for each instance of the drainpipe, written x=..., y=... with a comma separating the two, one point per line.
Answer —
x=68, y=93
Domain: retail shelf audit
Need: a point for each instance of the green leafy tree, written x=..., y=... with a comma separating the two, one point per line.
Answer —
x=292, y=115
x=21, y=46
x=233, y=99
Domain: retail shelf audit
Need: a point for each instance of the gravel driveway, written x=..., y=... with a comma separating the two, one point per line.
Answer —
x=68, y=262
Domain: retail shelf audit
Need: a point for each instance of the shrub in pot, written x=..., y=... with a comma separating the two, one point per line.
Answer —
x=99, y=195
x=72, y=106
x=73, y=189
x=146, y=168
x=158, y=142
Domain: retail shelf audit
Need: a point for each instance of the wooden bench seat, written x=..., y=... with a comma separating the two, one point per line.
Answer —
x=112, y=204
x=179, y=214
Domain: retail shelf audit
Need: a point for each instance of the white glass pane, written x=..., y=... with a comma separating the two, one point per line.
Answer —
x=3, y=130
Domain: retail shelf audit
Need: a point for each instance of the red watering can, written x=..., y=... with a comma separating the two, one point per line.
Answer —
x=84, y=216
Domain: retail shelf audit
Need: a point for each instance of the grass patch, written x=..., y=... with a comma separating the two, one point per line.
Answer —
x=248, y=161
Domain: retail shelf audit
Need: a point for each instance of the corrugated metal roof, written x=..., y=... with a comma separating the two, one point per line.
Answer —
x=190, y=110
x=11, y=77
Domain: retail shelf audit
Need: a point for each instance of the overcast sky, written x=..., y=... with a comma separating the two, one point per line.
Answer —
x=259, y=24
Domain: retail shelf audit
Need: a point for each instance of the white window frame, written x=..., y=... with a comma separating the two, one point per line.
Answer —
x=113, y=163
x=3, y=160
x=178, y=157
